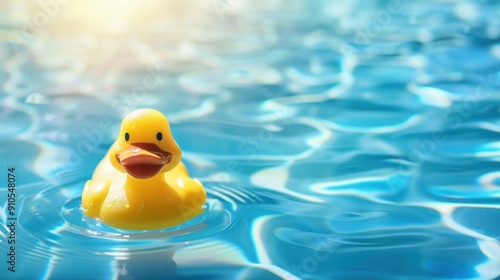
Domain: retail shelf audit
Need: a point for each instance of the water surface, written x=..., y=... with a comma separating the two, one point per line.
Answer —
x=336, y=140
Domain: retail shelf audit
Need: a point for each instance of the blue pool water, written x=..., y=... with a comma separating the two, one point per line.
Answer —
x=335, y=139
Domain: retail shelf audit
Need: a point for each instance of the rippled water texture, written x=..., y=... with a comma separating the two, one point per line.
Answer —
x=336, y=139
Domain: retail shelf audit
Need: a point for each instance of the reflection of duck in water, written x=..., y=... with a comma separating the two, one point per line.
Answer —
x=154, y=265
x=141, y=183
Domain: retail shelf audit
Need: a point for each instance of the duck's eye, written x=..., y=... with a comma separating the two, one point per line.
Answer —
x=159, y=136
x=127, y=136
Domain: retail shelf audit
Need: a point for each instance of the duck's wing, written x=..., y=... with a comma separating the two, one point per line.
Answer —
x=190, y=190
x=93, y=195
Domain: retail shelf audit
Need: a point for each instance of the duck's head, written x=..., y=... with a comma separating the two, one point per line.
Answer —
x=145, y=146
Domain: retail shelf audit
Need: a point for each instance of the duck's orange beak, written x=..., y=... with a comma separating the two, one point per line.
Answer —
x=143, y=160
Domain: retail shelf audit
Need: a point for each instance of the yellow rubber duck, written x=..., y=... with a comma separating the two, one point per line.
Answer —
x=141, y=183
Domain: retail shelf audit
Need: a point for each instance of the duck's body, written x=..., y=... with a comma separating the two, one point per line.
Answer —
x=154, y=203
x=137, y=196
